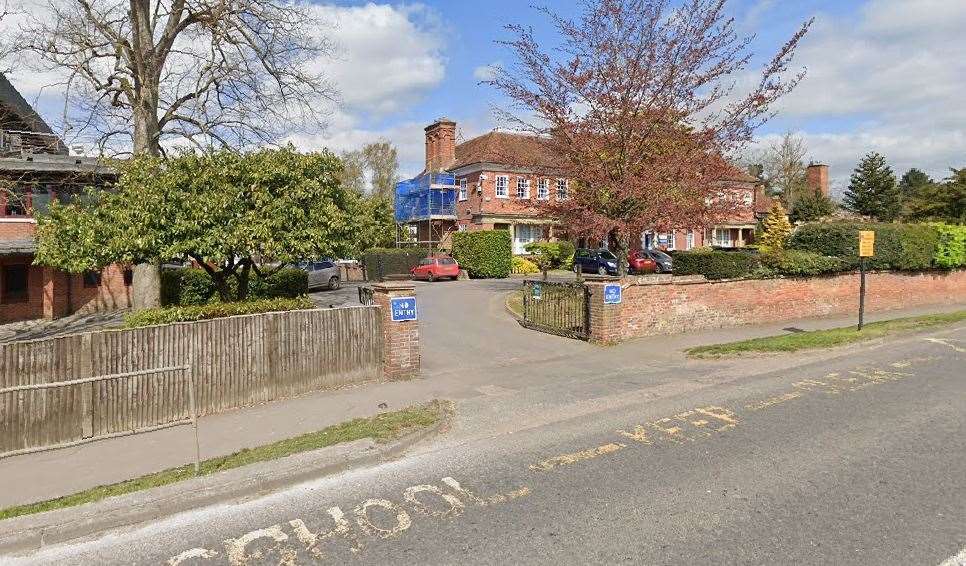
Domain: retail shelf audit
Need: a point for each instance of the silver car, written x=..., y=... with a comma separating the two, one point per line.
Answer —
x=322, y=274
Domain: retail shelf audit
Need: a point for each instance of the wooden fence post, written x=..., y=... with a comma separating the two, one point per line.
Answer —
x=86, y=370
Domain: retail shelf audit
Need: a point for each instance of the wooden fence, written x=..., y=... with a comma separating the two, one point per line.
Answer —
x=235, y=362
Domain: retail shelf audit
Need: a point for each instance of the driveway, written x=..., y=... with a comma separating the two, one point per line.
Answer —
x=464, y=325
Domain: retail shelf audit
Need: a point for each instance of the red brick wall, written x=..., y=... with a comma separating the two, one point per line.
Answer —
x=33, y=307
x=666, y=307
x=112, y=294
x=17, y=229
x=486, y=202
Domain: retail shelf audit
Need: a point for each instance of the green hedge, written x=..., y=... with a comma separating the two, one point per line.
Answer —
x=951, y=246
x=523, y=266
x=381, y=262
x=183, y=287
x=484, y=254
x=168, y=315
x=715, y=264
x=799, y=263
x=897, y=246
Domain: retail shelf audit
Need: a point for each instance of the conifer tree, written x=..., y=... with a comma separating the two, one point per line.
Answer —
x=873, y=190
x=777, y=229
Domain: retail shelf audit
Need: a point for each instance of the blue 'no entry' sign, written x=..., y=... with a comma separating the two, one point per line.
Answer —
x=403, y=309
x=612, y=294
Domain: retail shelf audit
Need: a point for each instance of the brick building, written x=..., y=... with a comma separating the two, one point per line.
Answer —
x=36, y=168
x=494, y=190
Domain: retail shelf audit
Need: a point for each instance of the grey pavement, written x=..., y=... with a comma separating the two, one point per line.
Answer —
x=471, y=349
x=853, y=456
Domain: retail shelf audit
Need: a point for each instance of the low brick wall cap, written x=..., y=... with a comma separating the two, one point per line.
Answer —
x=387, y=286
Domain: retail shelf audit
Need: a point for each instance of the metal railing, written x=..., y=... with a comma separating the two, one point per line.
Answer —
x=556, y=308
x=365, y=295
x=172, y=370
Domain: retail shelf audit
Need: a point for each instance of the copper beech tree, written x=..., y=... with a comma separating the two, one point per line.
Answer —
x=638, y=103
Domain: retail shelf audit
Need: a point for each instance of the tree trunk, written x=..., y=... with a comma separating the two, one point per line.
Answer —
x=243, y=277
x=146, y=286
x=221, y=285
x=146, y=292
x=623, y=246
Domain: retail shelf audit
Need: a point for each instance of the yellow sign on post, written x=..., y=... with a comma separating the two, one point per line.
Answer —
x=866, y=243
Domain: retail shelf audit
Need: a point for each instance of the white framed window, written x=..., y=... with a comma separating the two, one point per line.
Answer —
x=523, y=187
x=689, y=240
x=502, y=187
x=722, y=237
x=562, y=189
x=524, y=234
x=543, y=189
x=461, y=228
x=748, y=198
x=462, y=189
x=670, y=241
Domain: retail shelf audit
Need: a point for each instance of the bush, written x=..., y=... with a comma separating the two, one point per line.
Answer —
x=168, y=315
x=950, y=246
x=897, y=246
x=286, y=283
x=183, y=287
x=798, y=263
x=484, y=254
x=521, y=266
x=550, y=255
x=714, y=264
x=381, y=262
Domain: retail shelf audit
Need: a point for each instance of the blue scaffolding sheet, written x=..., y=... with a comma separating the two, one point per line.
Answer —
x=430, y=195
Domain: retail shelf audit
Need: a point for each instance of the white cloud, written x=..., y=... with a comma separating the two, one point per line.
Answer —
x=486, y=72
x=896, y=76
x=387, y=56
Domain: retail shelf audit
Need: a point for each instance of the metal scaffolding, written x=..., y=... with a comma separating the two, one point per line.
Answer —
x=425, y=210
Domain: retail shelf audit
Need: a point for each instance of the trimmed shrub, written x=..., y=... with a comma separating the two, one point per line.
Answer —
x=897, y=246
x=798, y=263
x=168, y=315
x=287, y=283
x=550, y=255
x=521, y=266
x=381, y=262
x=715, y=264
x=184, y=287
x=484, y=254
x=950, y=246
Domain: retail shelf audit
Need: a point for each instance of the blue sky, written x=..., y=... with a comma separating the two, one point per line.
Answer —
x=884, y=75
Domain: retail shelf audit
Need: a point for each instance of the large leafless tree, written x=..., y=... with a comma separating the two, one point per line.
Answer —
x=638, y=100
x=142, y=74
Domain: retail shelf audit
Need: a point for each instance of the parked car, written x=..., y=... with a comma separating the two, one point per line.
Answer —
x=663, y=262
x=601, y=262
x=436, y=267
x=639, y=261
x=324, y=273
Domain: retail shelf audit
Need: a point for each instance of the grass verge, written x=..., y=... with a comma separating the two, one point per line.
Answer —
x=514, y=302
x=817, y=339
x=382, y=428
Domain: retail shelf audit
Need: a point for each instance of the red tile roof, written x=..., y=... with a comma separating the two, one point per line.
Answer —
x=521, y=150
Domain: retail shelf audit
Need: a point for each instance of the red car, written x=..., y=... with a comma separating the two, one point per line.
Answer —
x=639, y=261
x=436, y=267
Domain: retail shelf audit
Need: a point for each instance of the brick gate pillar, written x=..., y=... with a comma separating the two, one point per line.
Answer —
x=604, y=319
x=400, y=351
x=55, y=293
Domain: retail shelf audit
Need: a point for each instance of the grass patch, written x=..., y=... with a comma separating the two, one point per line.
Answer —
x=514, y=302
x=817, y=339
x=383, y=427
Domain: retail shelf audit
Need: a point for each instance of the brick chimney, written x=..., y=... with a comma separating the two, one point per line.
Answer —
x=816, y=176
x=440, y=144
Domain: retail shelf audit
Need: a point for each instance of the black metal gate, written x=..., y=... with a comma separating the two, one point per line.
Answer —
x=557, y=308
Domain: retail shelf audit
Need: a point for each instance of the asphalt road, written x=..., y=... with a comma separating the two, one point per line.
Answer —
x=857, y=459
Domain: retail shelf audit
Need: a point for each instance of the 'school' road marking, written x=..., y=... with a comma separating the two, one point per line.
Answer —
x=373, y=518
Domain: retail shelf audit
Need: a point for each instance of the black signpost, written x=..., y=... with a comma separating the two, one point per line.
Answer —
x=866, y=249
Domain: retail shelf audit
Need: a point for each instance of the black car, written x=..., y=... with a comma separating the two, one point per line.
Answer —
x=601, y=262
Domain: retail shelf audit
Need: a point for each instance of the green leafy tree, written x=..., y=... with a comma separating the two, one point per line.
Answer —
x=873, y=190
x=811, y=206
x=235, y=214
x=945, y=201
x=777, y=229
x=380, y=223
x=912, y=181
